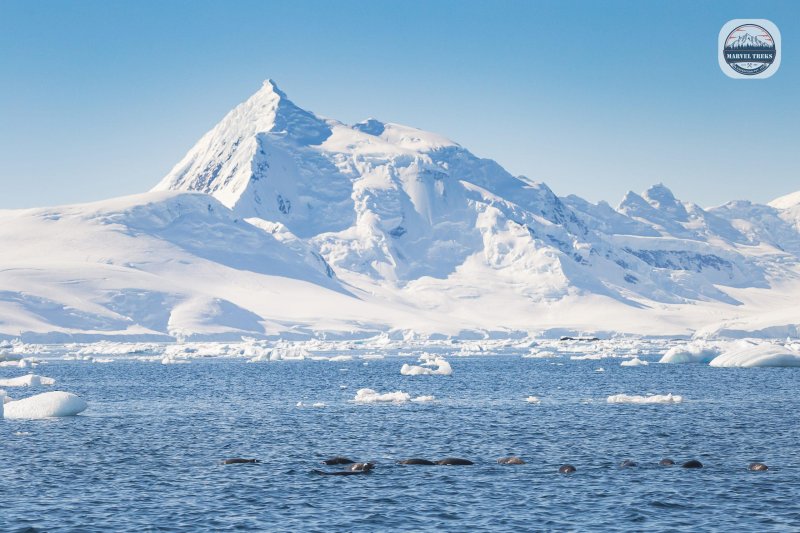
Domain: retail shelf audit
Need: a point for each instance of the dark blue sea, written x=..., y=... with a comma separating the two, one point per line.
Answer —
x=146, y=455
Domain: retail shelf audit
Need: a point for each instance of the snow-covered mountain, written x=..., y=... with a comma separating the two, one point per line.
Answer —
x=281, y=222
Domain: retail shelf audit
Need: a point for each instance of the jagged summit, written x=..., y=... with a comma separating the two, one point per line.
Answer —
x=231, y=155
x=371, y=126
x=661, y=198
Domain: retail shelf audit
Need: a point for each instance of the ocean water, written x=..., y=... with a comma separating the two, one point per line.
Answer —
x=146, y=455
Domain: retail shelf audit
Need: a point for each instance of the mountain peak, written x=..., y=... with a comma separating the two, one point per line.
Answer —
x=661, y=198
x=371, y=126
x=659, y=195
x=227, y=157
x=271, y=90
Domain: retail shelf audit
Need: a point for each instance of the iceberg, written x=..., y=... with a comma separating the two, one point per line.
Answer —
x=30, y=380
x=633, y=362
x=693, y=352
x=749, y=355
x=45, y=405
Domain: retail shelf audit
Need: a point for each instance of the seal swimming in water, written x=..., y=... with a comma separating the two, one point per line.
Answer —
x=338, y=460
x=353, y=469
x=627, y=463
x=238, y=461
x=567, y=469
x=454, y=461
x=666, y=462
x=513, y=460
x=693, y=463
x=757, y=467
x=416, y=461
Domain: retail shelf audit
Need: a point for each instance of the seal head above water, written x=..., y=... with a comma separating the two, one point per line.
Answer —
x=513, y=460
x=352, y=470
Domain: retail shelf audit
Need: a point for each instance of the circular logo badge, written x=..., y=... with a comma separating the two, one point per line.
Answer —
x=749, y=49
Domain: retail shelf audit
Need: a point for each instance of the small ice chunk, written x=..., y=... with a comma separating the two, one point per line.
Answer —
x=536, y=353
x=45, y=405
x=315, y=404
x=30, y=380
x=653, y=398
x=340, y=358
x=633, y=362
x=601, y=369
x=370, y=396
x=419, y=399
x=172, y=361
x=443, y=368
x=533, y=399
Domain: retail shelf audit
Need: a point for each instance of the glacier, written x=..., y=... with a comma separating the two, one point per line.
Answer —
x=282, y=224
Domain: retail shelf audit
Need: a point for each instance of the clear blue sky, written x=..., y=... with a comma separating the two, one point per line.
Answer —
x=101, y=98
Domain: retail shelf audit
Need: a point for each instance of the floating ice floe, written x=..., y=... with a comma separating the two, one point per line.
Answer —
x=30, y=380
x=692, y=352
x=420, y=399
x=654, y=398
x=119, y=348
x=45, y=405
x=315, y=404
x=533, y=399
x=21, y=363
x=746, y=354
x=173, y=361
x=536, y=353
x=443, y=368
x=340, y=358
x=370, y=396
x=634, y=362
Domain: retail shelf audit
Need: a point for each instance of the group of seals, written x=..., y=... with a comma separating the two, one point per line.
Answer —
x=691, y=463
x=366, y=467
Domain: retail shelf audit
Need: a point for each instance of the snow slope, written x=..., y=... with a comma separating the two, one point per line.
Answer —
x=279, y=222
